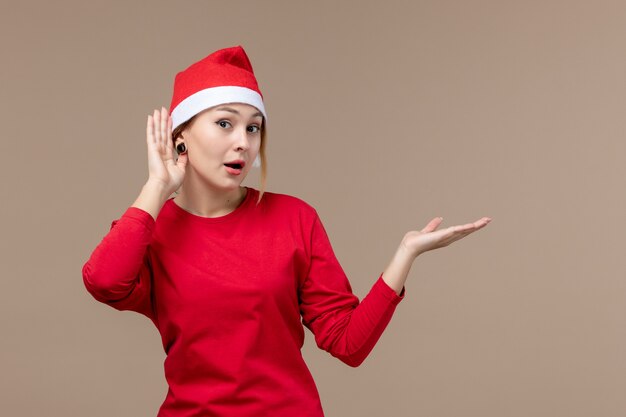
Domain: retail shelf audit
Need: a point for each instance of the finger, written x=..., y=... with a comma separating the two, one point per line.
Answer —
x=465, y=230
x=157, y=132
x=452, y=234
x=162, y=126
x=169, y=143
x=479, y=224
x=432, y=225
x=473, y=226
x=461, y=235
x=462, y=231
x=164, y=119
x=150, y=131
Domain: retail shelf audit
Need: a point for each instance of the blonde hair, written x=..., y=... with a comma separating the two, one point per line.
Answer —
x=179, y=129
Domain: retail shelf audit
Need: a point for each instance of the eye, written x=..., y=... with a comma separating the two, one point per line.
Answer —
x=254, y=129
x=224, y=123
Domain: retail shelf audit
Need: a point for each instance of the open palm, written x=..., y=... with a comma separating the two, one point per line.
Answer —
x=429, y=238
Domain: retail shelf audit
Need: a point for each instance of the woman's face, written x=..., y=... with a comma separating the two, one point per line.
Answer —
x=220, y=135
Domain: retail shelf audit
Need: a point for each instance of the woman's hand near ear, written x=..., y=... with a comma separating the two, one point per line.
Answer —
x=165, y=173
x=417, y=242
x=163, y=167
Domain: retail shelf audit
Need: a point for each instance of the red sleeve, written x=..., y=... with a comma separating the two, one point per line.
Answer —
x=118, y=272
x=343, y=326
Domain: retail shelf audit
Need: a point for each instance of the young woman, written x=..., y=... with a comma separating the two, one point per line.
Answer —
x=229, y=274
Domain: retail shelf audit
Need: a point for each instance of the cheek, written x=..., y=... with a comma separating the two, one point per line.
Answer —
x=202, y=154
x=257, y=143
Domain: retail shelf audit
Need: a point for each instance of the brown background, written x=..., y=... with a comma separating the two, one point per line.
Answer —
x=383, y=115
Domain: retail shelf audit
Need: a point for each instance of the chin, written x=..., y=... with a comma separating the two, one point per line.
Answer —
x=235, y=184
x=225, y=184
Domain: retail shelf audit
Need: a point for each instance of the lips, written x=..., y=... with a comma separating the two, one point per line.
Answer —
x=235, y=167
x=236, y=164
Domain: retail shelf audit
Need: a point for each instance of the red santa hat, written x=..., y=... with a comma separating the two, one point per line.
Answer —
x=225, y=76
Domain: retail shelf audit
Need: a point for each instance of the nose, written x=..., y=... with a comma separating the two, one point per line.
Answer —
x=242, y=142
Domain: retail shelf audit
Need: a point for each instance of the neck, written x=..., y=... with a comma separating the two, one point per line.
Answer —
x=209, y=202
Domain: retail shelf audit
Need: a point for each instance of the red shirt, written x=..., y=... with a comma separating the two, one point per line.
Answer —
x=230, y=295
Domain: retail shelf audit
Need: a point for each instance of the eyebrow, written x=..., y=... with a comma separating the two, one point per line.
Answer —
x=229, y=109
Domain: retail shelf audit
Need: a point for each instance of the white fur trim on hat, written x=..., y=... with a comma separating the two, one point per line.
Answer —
x=214, y=96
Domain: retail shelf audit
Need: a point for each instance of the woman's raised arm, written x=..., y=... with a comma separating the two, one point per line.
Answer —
x=118, y=272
